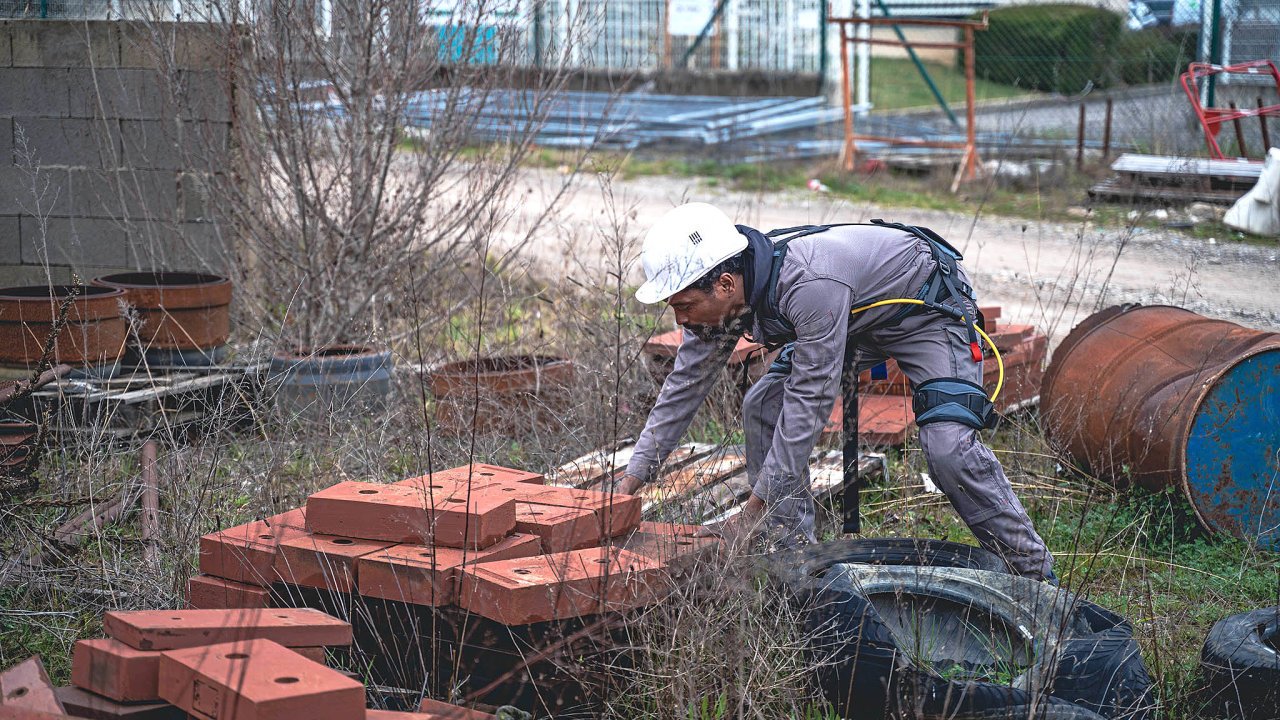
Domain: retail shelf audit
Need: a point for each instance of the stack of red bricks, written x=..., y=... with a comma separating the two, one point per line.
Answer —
x=479, y=540
x=244, y=664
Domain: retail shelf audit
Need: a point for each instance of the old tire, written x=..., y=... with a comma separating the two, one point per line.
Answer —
x=998, y=640
x=1241, y=666
x=802, y=571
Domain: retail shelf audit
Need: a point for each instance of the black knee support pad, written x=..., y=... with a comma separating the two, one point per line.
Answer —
x=952, y=400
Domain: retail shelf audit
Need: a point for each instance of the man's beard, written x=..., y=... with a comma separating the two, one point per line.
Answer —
x=734, y=326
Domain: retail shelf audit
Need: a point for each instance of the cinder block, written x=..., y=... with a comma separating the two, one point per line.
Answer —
x=70, y=142
x=245, y=553
x=194, y=199
x=257, y=680
x=112, y=669
x=561, y=529
x=34, y=92
x=135, y=194
x=564, y=585
x=443, y=517
x=322, y=561
x=616, y=514
x=10, y=240
x=164, y=145
x=174, y=629
x=35, y=191
x=26, y=686
x=6, y=44
x=64, y=44
x=6, y=141
x=206, y=592
x=116, y=93
x=203, y=95
x=422, y=575
x=83, y=704
x=176, y=46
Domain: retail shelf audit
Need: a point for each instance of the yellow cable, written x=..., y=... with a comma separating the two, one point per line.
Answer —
x=990, y=342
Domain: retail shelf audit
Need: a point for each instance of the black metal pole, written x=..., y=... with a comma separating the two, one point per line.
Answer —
x=849, y=499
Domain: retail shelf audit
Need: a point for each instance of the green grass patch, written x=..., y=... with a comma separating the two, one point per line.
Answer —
x=897, y=84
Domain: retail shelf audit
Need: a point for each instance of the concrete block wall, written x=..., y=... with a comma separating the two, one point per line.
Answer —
x=106, y=131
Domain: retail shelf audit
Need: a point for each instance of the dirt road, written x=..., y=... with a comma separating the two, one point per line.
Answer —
x=1045, y=273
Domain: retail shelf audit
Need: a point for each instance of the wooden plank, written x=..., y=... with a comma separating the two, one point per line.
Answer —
x=1184, y=169
x=826, y=477
x=682, y=483
x=593, y=466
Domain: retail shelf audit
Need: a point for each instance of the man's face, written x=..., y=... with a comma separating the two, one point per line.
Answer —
x=706, y=314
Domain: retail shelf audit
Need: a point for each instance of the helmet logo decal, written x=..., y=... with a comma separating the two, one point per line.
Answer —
x=695, y=237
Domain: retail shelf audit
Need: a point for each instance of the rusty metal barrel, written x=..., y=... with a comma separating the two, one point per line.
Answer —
x=1161, y=396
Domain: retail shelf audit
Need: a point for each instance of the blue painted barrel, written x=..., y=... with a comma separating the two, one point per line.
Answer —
x=330, y=381
x=1160, y=396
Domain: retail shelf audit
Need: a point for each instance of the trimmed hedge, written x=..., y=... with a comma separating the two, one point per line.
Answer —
x=1154, y=55
x=1053, y=48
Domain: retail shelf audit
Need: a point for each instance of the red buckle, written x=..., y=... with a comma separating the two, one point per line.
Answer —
x=975, y=351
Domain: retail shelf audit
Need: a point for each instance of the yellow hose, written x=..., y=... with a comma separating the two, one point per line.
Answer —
x=994, y=350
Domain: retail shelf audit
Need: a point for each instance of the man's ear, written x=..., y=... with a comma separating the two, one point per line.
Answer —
x=727, y=283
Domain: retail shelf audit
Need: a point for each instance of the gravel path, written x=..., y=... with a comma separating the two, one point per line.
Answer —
x=1048, y=274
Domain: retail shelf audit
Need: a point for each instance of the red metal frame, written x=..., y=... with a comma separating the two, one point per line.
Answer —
x=969, y=162
x=1211, y=118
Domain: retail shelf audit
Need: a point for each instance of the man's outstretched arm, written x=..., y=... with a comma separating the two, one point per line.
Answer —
x=698, y=364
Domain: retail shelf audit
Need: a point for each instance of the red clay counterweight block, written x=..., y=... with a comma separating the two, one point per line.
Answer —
x=172, y=629
x=206, y=592
x=322, y=561
x=26, y=686
x=479, y=475
x=560, y=528
x=564, y=585
x=615, y=514
x=114, y=670
x=256, y=680
x=245, y=553
x=422, y=575
x=450, y=516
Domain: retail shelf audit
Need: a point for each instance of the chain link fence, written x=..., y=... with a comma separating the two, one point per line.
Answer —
x=1037, y=65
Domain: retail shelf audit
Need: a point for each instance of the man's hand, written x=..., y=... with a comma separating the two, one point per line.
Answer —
x=738, y=530
x=629, y=485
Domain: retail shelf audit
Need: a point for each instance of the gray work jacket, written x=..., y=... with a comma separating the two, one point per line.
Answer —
x=822, y=277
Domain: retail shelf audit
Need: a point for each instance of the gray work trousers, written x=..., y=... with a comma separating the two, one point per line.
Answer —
x=926, y=346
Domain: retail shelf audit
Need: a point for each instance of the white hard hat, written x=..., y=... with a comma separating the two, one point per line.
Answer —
x=684, y=245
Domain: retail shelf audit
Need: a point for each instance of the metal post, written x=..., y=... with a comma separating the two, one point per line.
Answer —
x=971, y=132
x=1266, y=134
x=822, y=47
x=846, y=98
x=537, y=34
x=863, y=31
x=1080, y=140
x=1215, y=50
x=666, y=35
x=1239, y=132
x=1106, y=132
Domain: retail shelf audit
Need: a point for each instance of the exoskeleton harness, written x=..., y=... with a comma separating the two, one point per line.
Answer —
x=936, y=400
